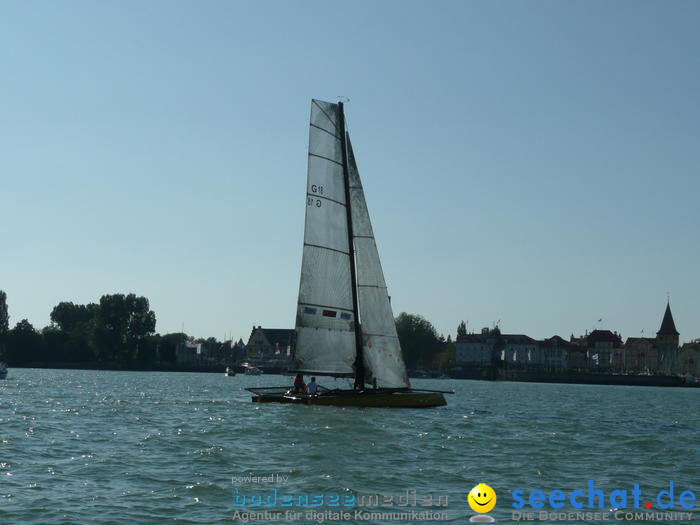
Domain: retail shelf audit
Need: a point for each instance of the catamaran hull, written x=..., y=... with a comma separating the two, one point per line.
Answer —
x=396, y=400
x=360, y=399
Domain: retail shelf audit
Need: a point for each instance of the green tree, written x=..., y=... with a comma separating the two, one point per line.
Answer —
x=55, y=341
x=447, y=357
x=77, y=322
x=68, y=315
x=4, y=315
x=4, y=324
x=121, y=323
x=461, y=329
x=24, y=343
x=419, y=340
x=78, y=348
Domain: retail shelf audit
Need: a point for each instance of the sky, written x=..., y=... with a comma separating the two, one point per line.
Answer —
x=532, y=164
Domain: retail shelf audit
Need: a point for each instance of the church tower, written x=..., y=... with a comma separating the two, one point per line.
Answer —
x=667, y=343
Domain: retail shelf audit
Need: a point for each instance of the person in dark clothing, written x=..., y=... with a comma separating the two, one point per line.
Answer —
x=299, y=385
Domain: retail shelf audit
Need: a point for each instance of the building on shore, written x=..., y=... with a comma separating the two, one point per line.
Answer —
x=690, y=359
x=189, y=354
x=491, y=348
x=601, y=347
x=555, y=353
x=269, y=343
x=639, y=355
x=520, y=351
x=600, y=351
x=577, y=355
x=667, y=344
x=205, y=353
x=476, y=350
x=654, y=355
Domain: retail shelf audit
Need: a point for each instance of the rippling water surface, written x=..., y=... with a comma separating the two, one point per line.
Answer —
x=139, y=447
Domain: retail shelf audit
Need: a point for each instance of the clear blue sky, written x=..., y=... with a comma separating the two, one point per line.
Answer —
x=533, y=162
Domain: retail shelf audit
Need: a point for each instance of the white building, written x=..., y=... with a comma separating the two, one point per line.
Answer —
x=555, y=352
x=475, y=350
x=520, y=350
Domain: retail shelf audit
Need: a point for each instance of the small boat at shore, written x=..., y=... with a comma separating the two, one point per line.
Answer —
x=251, y=370
x=344, y=322
x=230, y=372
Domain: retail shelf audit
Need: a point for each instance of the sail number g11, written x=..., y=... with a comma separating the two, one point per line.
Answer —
x=310, y=201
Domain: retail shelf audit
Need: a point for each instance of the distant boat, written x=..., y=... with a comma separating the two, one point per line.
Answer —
x=344, y=322
x=3, y=370
x=230, y=372
x=251, y=370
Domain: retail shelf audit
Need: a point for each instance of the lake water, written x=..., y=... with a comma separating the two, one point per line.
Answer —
x=137, y=447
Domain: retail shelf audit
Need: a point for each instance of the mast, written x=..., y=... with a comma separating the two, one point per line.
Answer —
x=359, y=360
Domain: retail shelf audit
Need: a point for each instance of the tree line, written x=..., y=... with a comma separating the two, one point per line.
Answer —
x=121, y=328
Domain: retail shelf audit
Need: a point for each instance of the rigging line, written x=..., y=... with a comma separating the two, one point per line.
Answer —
x=324, y=129
x=380, y=335
x=325, y=158
x=326, y=306
x=335, y=125
x=364, y=236
x=325, y=248
x=359, y=365
x=315, y=195
x=371, y=286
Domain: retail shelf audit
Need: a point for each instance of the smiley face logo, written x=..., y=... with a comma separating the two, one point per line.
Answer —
x=482, y=498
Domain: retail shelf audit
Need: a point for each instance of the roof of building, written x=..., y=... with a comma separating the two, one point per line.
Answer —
x=474, y=338
x=639, y=340
x=508, y=338
x=555, y=340
x=518, y=338
x=603, y=336
x=283, y=336
x=668, y=327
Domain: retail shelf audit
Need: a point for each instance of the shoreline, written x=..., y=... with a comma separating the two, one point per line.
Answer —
x=480, y=374
x=571, y=377
x=124, y=367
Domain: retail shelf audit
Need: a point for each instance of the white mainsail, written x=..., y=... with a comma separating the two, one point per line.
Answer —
x=325, y=324
x=381, y=348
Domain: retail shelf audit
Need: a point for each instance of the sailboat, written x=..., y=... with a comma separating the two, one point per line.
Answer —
x=344, y=322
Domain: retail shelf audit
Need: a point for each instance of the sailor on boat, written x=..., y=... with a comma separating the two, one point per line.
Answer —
x=312, y=387
x=299, y=385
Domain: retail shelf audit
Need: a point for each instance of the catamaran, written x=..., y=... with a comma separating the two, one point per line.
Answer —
x=344, y=322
